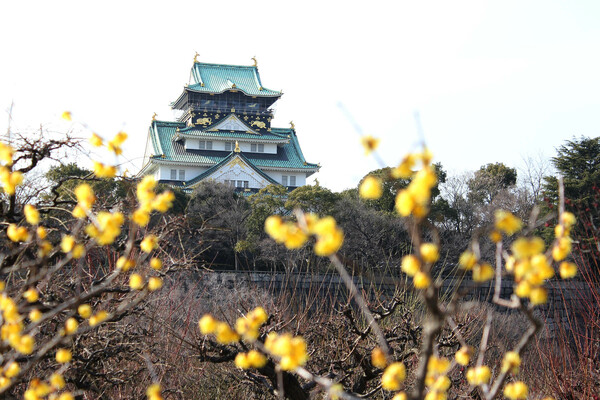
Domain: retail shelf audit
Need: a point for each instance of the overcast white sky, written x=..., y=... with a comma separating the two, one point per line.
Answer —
x=492, y=80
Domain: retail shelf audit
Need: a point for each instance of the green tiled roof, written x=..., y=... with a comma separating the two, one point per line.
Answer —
x=288, y=156
x=217, y=78
x=267, y=136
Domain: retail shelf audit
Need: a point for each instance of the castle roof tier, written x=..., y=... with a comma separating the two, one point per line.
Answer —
x=225, y=134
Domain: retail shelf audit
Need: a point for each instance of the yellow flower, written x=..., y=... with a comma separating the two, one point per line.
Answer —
x=67, y=243
x=467, y=260
x=66, y=115
x=561, y=249
x=153, y=392
x=79, y=212
x=207, y=324
x=405, y=169
x=85, y=196
x=568, y=219
x=98, y=318
x=483, y=272
x=429, y=252
x=109, y=227
x=369, y=143
x=63, y=356
x=252, y=359
x=410, y=265
x=224, y=334
x=329, y=237
x=421, y=280
x=35, y=315
x=125, y=264
x=478, y=375
x=140, y=217
x=516, y=391
x=567, y=269
x=149, y=243
x=41, y=232
x=538, y=295
x=371, y=188
x=440, y=385
x=31, y=295
x=114, y=145
x=154, y=283
x=507, y=222
x=292, y=350
x=57, y=381
x=393, y=376
x=163, y=202
x=463, y=356
x=523, y=289
x=495, y=236
x=69, y=396
x=12, y=369
x=378, y=358
x=511, y=362
x=71, y=326
x=6, y=154
x=17, y=233
x=438, y=365
x=32, y=215
x=104, y=171
x=10, y=180
x=294, y=236
x=25, y=344
x=524, y=247
x=400, y=396
x=84, y=310
x=405, y=203
x=136, y=281
x=96, y=140
x=249, y=325
x=155, y=263
x=241, y=361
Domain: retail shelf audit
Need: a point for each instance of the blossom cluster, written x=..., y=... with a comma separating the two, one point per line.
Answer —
x=102, y=228
x=290, y=351
x=294, y=235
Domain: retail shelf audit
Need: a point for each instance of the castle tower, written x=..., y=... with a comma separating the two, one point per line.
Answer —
x=224, y=133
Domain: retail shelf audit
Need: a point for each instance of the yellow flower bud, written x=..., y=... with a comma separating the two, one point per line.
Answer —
x=71, y=326
x=567, y=269
x=421, y=280
x=393, y=376
x=136, y=281
x=378, y=358
x=32, y=215
x=84, y=310
x=154, y=283
x=429, y=252
x=371, y=188
x=410, y=265
x=516, y=391
x=63, y=356
x=155, y=263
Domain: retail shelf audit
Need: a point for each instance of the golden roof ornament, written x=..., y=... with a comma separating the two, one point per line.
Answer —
x=237, y=147
x=255, y=62
x=292, y=125
x=196, y=57
x=154, y=117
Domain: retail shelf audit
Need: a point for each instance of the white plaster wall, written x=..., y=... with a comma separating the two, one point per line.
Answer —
x=190, y=172
x=194, y=144
x=276, y=175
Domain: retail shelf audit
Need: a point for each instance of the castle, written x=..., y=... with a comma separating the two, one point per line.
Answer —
x=224, y=134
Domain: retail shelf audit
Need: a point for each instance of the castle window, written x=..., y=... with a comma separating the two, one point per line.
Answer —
x=292, y=181
x=173, y=174
x=284, y=180
x=205, y=145
x=182, y=174
x=257, y=148
x=229, y=146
